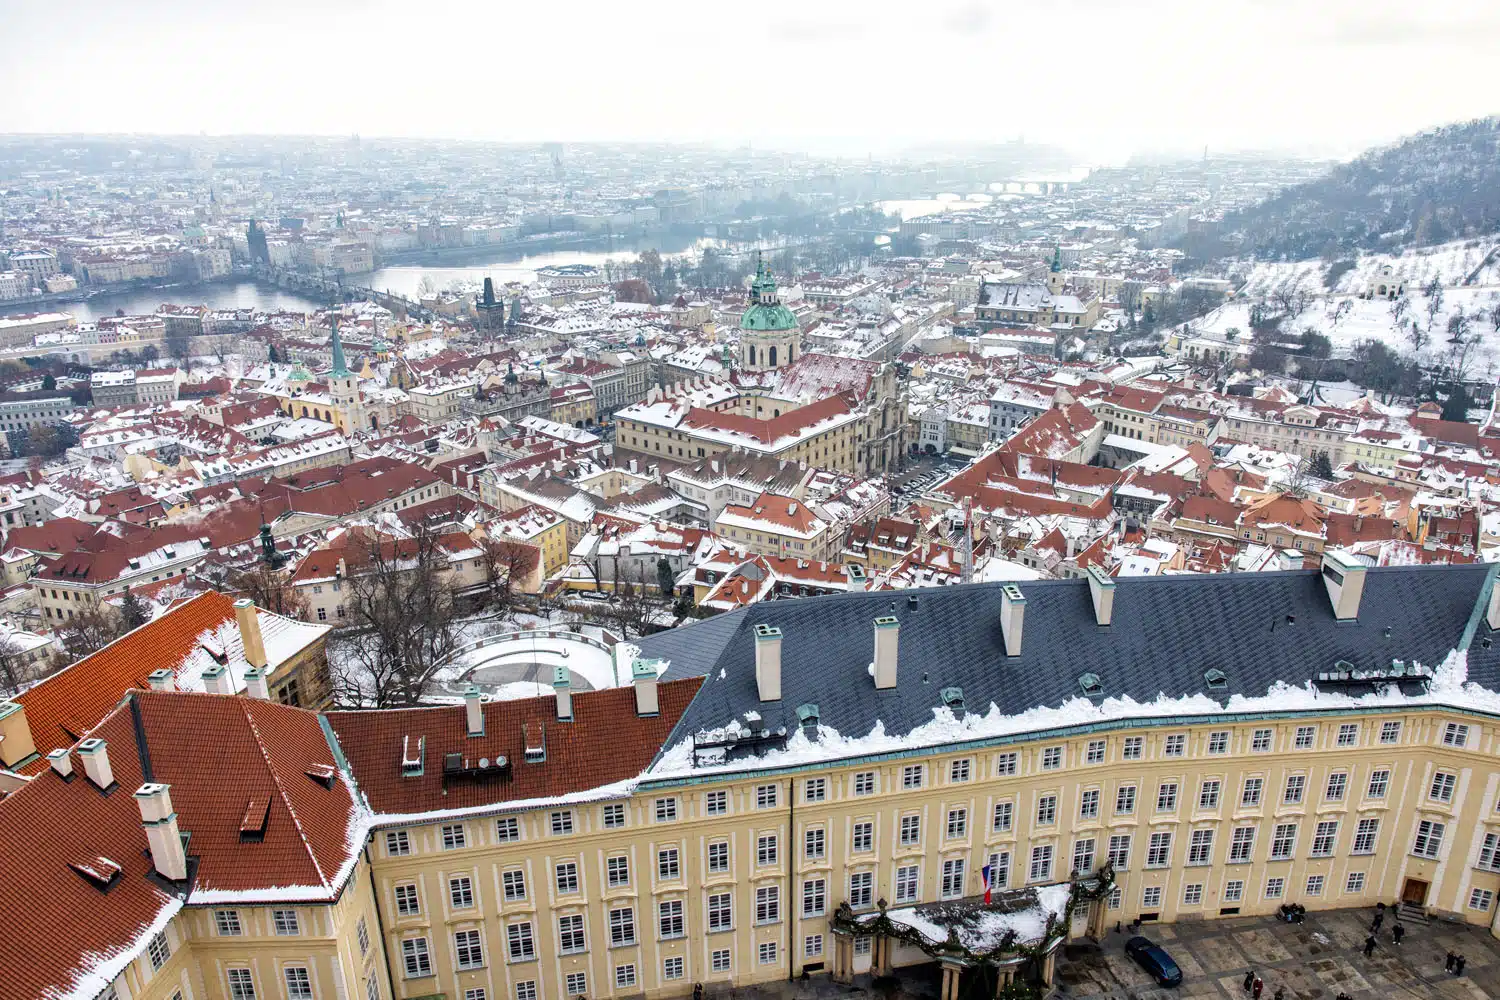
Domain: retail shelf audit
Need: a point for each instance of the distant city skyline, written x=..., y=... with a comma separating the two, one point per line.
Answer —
x=831, y=77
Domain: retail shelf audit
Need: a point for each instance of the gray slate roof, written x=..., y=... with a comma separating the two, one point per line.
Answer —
x=1166, y=632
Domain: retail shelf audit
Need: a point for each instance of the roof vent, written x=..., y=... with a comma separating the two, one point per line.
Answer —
x=953, y=699
x=323, y=774
x=1091, y=685
x=98, y=871
x=1216, y=679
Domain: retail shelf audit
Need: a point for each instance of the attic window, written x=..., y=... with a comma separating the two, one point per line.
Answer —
x=412, y=757
x=807, y=716
x=1216, y=679
x=257, y=813
x=98, y=871
x=535, y=749
x=1091, y=685
x=321, y=773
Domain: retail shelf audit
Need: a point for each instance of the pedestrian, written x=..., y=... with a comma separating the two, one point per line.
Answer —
x=1380, y=907
x=1250, y=979
x=1458, y=966
x=1398, y=931
x=1375, y=924
x=1260, y=984
x=1369, y=946
x=1448, y=962
x=1280, y=993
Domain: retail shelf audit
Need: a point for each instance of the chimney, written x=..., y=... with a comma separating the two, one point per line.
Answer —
x=255, y=684
x=857, y=579
x=1492, y=613
x=887, y=639
x=1345, y=579
x=95, y=755
x=61, y=761
x=249, y=621
x=1012, y=613
x=15, y=734
x=768, y=662
x=562, y=682
x=167, y=854
x=643, y=674
x=1102, y=590
x=216, y=680
x=162, y=680
x=473, y=713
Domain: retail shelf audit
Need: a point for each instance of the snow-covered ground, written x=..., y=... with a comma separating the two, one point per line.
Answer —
x=503, y=665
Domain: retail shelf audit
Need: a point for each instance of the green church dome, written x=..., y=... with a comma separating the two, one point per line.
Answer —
x=766, y=311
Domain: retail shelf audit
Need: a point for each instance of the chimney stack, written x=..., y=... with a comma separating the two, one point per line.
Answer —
x=255, y=684
x=250, y=638
x=1012, y=615
x=216, y=680
x=858, y=581
x=167, y=854
x=768, y=662
x=162, y=680
x=1492, y=613
x=1344, y=576
x=95, y=756
x=1102, y=590
x=473, y=713
x=887, y=641
x=562, y=687
x=61, y=761
x=643, y=675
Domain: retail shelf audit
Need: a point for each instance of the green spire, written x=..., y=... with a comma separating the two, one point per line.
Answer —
x=340, y=369
x=1057, y=260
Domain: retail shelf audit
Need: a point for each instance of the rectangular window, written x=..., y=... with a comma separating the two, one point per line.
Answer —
x=1166, y=796
x=1338, y=783
x=672, y=968
x=1315, y=885
x=908, y=882
x=1051, y=758
x=1006, y=765
x=1481, y=899
x=1348, y=734
x=912, y=775
x=1355, y=882
x=513, y=883
x=1046, y=810
x=415, y=958
x=1241, y=844
x=1094, y=753
x=815, y=790
x=767, y=904
x=667, y=866
x=1234, y=891
x=958, y=770
x=813, y=843
x=720, y=911
x=1260, y=741
x=1364, y=836
x=1208, y=794
x=407, y=904
x=525, y=990
x=958, y=823
x=461, y=892
x=812, y=945
x=1442, y=787
x=1119, y=851
x=765, y=849
x=1151, y=897
x=562, y=822
x=622, y=927
x=1159, y=850
x=362, y=932
x=470, y=951
x=953, y=878
x=1489, y=853
x=863, y=839
x=999, y=869
x=1041, y=863
x=624, y=976
x=911, y=830
x=1088, y=804
x=453, y=836
x=1390, y=732
x=570, y=937
x=1324, y=836
x=765, y=796
x=815, y=897
x=718, y=854
x=864, y=783
x=617, y=870
x=719, y=960
x=1083, y=855
x=1304, y=737
x=397, y=843
x=507, y=830
x=242, y=984
x=767, y=953
x=1296, y=785
x=522, y=945
x=1201, y=847
x=159, y=950
x=1004, y=816
x=669, y=918
x=1125, y=800
x=1283, y=841
x=1275, y=888
x=1133, y=748
x=1218, y=742
x=1429, y=840
x=666, y=810
x=1380, y=781
x=1455, y=735
x=1176, y=745
x=227, y=923
x=567, y=877
x=576, y=984
x=1192, y=895
x=861, y=888
x=716, y=803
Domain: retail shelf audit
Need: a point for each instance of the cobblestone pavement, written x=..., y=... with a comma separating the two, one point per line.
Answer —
x=1314, y=960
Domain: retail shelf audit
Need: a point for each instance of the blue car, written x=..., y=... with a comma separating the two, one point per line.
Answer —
x=1151, y=957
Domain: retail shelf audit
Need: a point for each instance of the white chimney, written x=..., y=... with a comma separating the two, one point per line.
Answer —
x=1492, y=613
x=768, y=662
x=255, y=684
x=162, y=680
x=1344, y=576
x=643, y=675
x=250, y=637
x=1102, y=590
x=167, y=854
x=61, y=761
x=95, y=756
x=1012, y=615
x=473, y=711
x=562, y=688
x=858, y=581
x=216, y=680
x=887, y=640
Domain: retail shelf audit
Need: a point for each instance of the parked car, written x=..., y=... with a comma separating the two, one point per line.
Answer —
x=1153, y=958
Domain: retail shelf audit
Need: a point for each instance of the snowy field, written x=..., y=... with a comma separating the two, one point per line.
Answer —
x=500, y=665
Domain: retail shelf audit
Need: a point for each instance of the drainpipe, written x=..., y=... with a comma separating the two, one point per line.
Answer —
x=385, y=946
x=793, y=902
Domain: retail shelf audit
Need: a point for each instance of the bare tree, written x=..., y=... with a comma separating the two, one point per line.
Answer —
x=90, y=630
x=632, y=610
x=1418, y=338
x=272, y=590
x=17, y=669
x=505, y=560
x=403, y=622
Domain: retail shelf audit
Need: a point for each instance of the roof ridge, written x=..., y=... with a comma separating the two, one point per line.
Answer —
x=281, y=791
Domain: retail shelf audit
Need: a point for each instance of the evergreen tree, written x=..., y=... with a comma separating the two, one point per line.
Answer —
x=133, y=611
x=1456, y=406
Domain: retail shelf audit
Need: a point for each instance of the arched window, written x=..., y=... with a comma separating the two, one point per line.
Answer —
x=773, y=357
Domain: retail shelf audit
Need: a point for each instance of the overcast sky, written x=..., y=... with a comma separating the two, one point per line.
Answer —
x=1102, y=77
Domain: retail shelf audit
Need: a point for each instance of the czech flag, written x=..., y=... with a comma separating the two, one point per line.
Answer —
x=985, y=874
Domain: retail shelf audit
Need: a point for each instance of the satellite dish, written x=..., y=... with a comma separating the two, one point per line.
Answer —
x=484, y=762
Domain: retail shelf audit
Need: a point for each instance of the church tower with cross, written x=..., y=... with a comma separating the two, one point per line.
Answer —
x=769, y=335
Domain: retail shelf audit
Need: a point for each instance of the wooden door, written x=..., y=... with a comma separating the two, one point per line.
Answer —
x=1414, y=892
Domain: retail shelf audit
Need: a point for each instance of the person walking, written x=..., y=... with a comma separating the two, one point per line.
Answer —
x=1448, y=962
x=1260, y=984
x=1458, y=966
x=1369, y=946
x=1280, y=993
x=1375, y=924
x=1250, y=979
x=1398, y=931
